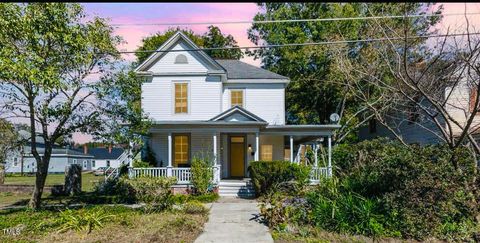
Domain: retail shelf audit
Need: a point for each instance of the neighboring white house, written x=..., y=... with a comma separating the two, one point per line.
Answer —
x=422, y=130
x=106, y=157
x=226, y=108
x=22, y=161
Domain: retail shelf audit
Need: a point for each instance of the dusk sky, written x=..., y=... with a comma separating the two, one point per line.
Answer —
x=131, y=13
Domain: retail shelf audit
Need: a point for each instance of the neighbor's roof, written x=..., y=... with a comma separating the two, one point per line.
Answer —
x=240, y=70
x=102, y=153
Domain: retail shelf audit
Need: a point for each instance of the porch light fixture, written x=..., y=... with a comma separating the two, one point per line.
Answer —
x=250, y=149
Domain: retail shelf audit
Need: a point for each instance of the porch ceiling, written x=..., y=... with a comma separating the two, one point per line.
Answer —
x=245, y=127
x=301, y=130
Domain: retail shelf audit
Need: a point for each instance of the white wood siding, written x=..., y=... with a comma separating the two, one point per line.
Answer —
x=203, y=104
x=458, y=106
x=264, y=100
x=166, y=64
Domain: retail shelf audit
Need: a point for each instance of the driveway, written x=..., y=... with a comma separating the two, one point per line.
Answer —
x=234, y=220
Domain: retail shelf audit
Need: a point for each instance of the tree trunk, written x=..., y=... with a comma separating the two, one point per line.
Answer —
x=40, y=178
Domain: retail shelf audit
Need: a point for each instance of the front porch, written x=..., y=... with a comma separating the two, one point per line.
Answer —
x=231, y=146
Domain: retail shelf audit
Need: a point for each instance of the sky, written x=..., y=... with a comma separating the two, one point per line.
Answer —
x=131, y=13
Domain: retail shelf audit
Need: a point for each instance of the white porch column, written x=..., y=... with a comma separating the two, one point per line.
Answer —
x=257, y=146
x=130, y=154
x=169, y=167
x=215, y=160
x=329, y=155
x=291, y=148
x=316, y=154
x=216, y=165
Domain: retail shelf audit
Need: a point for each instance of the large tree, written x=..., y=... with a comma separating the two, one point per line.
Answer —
x=9, y=139
x=316, y=89
x=213, y=38
x=51, y=63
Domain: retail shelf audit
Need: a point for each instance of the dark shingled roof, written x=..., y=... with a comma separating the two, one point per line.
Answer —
x=240, y=70
x=102, y=153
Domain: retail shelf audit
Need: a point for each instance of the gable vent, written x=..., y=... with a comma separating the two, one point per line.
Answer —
x=181, y=59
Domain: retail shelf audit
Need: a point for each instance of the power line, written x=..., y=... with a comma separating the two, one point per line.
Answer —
x=294, y=20
x=305, y=44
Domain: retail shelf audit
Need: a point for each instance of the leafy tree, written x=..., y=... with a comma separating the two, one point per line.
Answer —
x=211, y=39
x=50, y=63
x=214, y=38
x=9, y=139
x=316, y=89
x=154, y=41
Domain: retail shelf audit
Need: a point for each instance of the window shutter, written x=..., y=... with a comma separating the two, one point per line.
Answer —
x=473, y=97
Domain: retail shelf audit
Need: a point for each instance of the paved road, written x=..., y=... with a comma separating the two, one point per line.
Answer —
x=234, y=220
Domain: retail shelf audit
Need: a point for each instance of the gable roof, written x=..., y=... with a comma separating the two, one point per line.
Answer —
x=240, y=110
x=170, y=43
x=239, y=70
x=102, y=153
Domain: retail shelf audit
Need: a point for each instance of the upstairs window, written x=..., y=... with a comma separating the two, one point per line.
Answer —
x=236, y=98
x=181, y=98
x=181, y=59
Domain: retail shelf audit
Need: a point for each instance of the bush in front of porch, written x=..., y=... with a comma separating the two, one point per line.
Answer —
x=385, y=189
x=267, y=175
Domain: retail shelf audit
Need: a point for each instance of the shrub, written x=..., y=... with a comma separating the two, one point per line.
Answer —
x=119, y=191
x=205, y=198
x=383, y=188
x=82, y=219
x=268, y=174
x=194, y=207
x=201, y=175
x=335, y=207
x=430, y=189
x=141, y=164
x=155, y=192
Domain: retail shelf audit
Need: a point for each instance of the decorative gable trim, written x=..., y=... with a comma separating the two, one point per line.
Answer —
x=162, y=50
x=239, y=110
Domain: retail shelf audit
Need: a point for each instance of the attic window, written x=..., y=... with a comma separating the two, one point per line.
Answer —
x=181, y=59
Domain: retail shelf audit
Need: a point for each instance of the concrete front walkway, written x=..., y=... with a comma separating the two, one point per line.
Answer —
x=234, y=220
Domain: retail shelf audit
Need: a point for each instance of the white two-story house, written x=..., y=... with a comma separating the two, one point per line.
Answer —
x=230, y=110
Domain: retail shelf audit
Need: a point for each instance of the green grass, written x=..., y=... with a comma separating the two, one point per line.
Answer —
x=124, y=225
x=8, y=198
x=88, y=180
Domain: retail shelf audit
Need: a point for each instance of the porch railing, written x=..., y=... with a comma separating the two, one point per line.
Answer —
x=151, y=172
x=318, y=172
x=183, y=175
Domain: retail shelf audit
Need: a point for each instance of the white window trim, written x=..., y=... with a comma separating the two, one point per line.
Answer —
x=230, y=97
x=74, y=161
x=85, y=164
x=15, y=161
x=189, y=97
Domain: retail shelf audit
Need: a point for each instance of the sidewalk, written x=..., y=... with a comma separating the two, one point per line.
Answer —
x=234, y=220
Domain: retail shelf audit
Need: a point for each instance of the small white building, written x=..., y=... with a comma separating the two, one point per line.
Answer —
x=106, y=157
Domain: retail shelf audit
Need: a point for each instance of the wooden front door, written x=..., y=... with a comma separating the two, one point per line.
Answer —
x=237, y=156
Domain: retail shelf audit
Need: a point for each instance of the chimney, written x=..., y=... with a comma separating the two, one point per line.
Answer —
x=85, y=149
x=110, y=148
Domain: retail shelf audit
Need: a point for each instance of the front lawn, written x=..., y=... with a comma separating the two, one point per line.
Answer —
x=88, y=180
x=119, y=224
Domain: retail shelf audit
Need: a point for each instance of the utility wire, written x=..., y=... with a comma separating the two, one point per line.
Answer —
x=295, y=20
x=305, y=44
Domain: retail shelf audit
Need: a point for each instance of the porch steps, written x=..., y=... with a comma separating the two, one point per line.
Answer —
x=236, y=188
